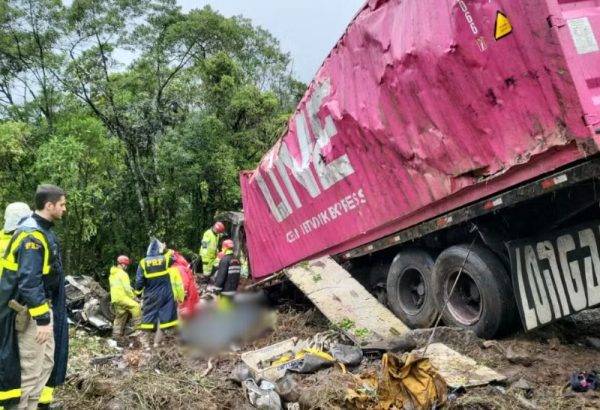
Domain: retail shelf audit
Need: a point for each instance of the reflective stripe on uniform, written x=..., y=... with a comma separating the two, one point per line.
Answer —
x=146, y=326
x=155, y=275
x=10, y=394
x=47, y=395
x=176, y=284
x=167, y=257
x=169, y=324
x=39, y=310
x=10, y=263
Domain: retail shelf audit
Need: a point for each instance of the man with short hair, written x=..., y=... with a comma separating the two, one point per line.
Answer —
x=33, y=318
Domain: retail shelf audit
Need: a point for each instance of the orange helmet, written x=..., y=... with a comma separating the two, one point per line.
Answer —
x=123, y=260
x=227, y=244
x=218, y=227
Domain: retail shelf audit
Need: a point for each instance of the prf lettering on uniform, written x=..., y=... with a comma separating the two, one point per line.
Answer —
x=311, y=153
x=154, y=262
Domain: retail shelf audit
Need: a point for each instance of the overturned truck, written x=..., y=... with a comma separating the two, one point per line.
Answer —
x=440, y=129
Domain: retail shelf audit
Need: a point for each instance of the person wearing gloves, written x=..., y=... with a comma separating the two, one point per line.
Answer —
x=122, y=297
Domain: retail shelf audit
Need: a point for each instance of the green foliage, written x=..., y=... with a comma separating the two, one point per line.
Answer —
x=345, y=324
x=362, y=332
x=13, y=151
x=80, y=157
x=152, y=147
x=13, y=136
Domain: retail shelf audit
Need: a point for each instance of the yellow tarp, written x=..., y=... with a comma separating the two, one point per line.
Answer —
x=406, y=381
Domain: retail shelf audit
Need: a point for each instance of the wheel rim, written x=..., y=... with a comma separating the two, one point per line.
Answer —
x=466, y=302
x=412, y=291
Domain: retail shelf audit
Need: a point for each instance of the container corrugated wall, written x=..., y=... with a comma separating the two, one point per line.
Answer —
x=423, y=106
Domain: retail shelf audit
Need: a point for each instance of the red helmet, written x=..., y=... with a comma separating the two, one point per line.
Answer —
x=218, y=227
x=123, y=260
x=227, y=244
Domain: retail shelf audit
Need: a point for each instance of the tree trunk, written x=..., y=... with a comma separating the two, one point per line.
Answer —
x=141, y=191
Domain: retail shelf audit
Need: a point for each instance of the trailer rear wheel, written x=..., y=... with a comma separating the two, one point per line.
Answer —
x=482, y=300
x=410, y=290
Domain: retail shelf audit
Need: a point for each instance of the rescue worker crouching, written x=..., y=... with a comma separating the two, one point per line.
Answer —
x=210, y=247
x=227, y=278
x=122, y=297
x=161, y=287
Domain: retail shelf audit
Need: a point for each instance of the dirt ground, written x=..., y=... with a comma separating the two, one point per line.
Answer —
x=170, y=379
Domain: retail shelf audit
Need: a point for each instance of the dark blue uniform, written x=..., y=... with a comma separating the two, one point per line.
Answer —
x=227, y=278
x=36, y=276
x=159, y=308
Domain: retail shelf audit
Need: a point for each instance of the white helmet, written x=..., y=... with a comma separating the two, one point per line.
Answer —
x=14, y=213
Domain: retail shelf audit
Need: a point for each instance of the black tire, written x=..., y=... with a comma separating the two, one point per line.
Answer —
x=482, y=300
x=410, y=291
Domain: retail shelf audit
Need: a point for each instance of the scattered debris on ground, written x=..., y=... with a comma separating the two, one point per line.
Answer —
x=88, y=304
x=535, y=369
x=167, y=378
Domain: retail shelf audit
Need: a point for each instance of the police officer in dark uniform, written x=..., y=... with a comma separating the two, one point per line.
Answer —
x=153, y=280
x=33, y=317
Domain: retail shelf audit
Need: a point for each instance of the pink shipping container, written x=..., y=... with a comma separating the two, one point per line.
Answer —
x=423, y=107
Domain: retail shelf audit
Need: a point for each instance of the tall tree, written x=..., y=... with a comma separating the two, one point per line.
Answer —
x=141, y=105
x=143, y=112
x=29, y=36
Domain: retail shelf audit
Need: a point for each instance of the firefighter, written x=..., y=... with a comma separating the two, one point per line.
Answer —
x=228, y=273
x=33, y=317
x=161, y=288
x=122, y=297
x=210, y=246
x=14, y=213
